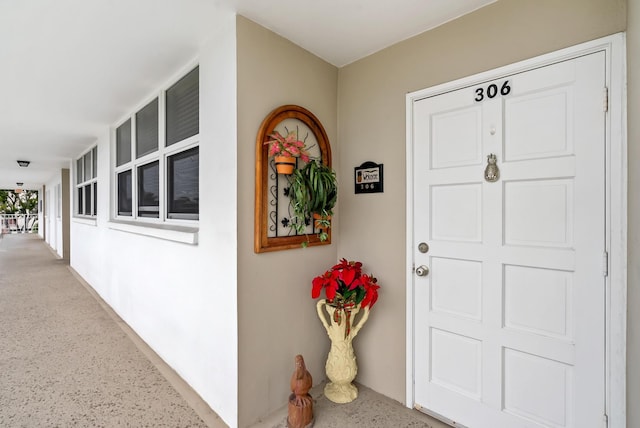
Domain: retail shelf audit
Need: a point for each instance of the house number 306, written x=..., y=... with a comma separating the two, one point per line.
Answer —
x=492, y=91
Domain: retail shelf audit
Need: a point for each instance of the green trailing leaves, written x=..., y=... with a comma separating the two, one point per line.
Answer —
x=313, y=189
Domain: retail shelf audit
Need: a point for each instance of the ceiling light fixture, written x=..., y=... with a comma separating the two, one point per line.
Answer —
x=24, y=163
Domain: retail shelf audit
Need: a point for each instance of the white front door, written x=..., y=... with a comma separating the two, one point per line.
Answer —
x=509, y=319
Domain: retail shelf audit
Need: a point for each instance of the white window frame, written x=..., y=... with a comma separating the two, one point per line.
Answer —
x=81, y=185
x=162, y=154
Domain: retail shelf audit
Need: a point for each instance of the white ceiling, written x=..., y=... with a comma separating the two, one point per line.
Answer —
x=71, y=68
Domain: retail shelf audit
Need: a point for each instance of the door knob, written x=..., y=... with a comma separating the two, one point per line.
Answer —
x=422, y=270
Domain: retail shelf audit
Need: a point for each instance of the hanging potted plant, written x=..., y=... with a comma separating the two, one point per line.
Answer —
x=348, y=291
x=285, y=150
x=313, y=191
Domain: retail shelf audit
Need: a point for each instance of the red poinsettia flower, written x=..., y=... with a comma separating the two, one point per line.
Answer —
x=328, y=281
x=346, y=283
x=371, y=290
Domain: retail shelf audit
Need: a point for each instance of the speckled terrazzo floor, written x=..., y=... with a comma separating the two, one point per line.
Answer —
x=369, y=410
x=65, y=361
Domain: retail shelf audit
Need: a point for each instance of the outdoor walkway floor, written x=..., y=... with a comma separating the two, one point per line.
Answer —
x=369, y=410
x=67, y=360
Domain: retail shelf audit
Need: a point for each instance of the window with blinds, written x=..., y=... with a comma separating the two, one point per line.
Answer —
x=123, y=143
x=86, y=183
x=183, y=112
x=183, y=184
x=147, y=129
x=124, y=193
x=149, y=190
x=156, y=170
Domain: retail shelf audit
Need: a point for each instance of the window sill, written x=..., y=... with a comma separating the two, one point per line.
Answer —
x=183, y=234
x=85, y=220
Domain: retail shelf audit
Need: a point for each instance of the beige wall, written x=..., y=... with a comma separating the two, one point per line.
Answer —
x=362, y=107
x=371, y=106
x=276, y=314
x=633, y=320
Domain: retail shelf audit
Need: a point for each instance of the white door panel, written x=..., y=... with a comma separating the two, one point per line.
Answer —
x=509, y=323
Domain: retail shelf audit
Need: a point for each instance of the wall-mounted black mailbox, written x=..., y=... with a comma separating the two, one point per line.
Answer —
x=368, y=178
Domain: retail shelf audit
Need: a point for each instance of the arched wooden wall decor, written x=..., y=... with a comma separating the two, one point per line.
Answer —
x=272, y=206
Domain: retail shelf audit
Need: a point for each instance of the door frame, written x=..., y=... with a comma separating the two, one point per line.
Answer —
x=615, y=201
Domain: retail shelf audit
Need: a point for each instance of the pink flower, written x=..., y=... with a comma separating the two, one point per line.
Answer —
x=287, y=146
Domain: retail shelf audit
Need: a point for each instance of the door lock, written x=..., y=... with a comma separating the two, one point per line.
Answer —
x=423, y=247
x=422, y=270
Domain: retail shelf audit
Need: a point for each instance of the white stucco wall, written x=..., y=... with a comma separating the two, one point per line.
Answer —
x=180, y=298
x=41, y=212
x=633, y=215
x=54, y=233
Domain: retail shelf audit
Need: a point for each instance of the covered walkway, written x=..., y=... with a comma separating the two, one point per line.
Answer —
x=67, y=360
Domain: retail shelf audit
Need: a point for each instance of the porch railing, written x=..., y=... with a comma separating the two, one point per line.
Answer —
x=18, y=223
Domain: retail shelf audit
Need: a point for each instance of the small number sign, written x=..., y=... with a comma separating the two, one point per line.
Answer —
x=492, y=91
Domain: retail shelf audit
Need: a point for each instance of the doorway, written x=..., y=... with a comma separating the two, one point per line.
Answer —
x=510, y=239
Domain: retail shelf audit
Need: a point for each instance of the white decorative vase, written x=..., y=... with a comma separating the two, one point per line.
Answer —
x=341, y=365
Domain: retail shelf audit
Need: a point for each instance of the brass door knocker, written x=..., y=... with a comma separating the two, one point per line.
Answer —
x=491, y=172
